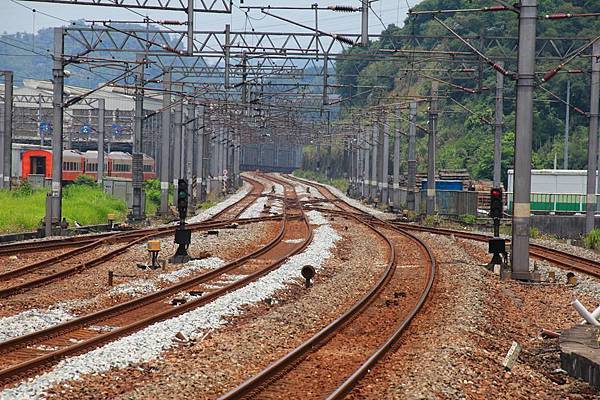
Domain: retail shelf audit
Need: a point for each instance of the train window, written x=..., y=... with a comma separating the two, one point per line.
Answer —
x=121, y=167
x=71, y=166
x=147, y=168
x=92, y=167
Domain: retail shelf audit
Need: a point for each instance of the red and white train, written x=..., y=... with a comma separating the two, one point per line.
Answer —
x=116, y=164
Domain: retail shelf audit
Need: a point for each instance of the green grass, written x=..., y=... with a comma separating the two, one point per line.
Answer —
x=339, y=183
x=23, y=209
x=592, y=239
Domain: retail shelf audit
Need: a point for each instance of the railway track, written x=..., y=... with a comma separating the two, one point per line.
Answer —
x=334, y=359
x=557, y=257
x=229, y=213
x=46, y=271
x=22, y=356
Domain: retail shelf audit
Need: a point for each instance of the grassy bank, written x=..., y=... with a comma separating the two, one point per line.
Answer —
x=340, y=183
x=23, y=209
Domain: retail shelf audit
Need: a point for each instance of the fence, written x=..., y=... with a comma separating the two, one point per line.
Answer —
x=553, y=202
x=452, y=202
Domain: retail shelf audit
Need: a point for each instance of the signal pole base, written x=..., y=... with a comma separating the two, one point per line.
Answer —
x=183, y=237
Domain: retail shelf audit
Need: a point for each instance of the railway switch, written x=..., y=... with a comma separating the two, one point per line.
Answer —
x=154, y=248
x=111, y=221
x=496, y=244
x=308, y=272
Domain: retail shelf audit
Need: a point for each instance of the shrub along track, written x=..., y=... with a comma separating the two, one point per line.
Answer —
x=20, y=358
x=332, y=361
x=95, y=253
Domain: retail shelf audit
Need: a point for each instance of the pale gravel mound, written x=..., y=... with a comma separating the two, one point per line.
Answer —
x=255, y=209
x=147, y=344
x=212, y=211
x=31, y=321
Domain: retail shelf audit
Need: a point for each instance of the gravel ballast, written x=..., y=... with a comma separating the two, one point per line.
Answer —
x=149, y=343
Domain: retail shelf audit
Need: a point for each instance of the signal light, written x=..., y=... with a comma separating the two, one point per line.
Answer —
x=182, y=197
x=496, y=203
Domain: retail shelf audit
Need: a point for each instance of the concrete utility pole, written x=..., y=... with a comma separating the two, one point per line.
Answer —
x=498, y=128
x=53, y=203
x=178, y=132
x=364, y=37
x=593, y=140
x=412, y=159
x=165, y=133
x=138, y=157
x=367, y=165
x=374, y=156
x=40, y=131
x=6, y=134
x=101, y=113
x=189, y=149
x=433, y=115
x=567, y=126
x=385, y=164
x=396, y=166
x=524, y=134
x=200, y=156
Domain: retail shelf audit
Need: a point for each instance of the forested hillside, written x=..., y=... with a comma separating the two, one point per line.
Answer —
x=463, y=141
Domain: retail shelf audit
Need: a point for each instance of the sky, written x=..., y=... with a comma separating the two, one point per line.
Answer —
x=17, y=15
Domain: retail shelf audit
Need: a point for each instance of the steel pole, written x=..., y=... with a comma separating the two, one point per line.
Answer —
x=433, y=115
x=593, y=140
x=412, y=159
x=165, y=133
x=498, y=128
x=101, y=114
x=190, y=27
x=567, y=126
x=6, y=147
x=523, y=140
x=53, y=206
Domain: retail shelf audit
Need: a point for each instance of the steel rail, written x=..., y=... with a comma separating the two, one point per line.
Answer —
x=42, y=245
x=348, y=384
x=135, y=236
x=16, y=371
x=256, y=383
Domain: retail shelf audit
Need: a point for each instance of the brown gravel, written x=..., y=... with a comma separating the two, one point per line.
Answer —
x=264, y=333
x=90, y=285
x=455, y=347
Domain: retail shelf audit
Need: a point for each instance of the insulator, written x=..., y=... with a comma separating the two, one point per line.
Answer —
x=343, y=8
x=343, y=39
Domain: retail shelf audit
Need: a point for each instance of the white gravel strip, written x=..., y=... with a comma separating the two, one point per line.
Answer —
x=190, y=267
x=255, y=209
x=150, y=342
x=353, y=202
x=31, y=321
x=34, y=320
x=212, y=211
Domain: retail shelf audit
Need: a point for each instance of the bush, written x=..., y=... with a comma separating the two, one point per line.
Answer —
x=592, y=239
x=468, y=219
x=432, y=220
x=24, y=189
x=85, y=180
x=534, y=232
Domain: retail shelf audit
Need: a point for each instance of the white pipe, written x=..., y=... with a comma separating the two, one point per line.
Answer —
x=589, y=318
x=595, y=314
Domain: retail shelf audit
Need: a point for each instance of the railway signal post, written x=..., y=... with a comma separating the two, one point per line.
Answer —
x=183, y=237
x=497, y=245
